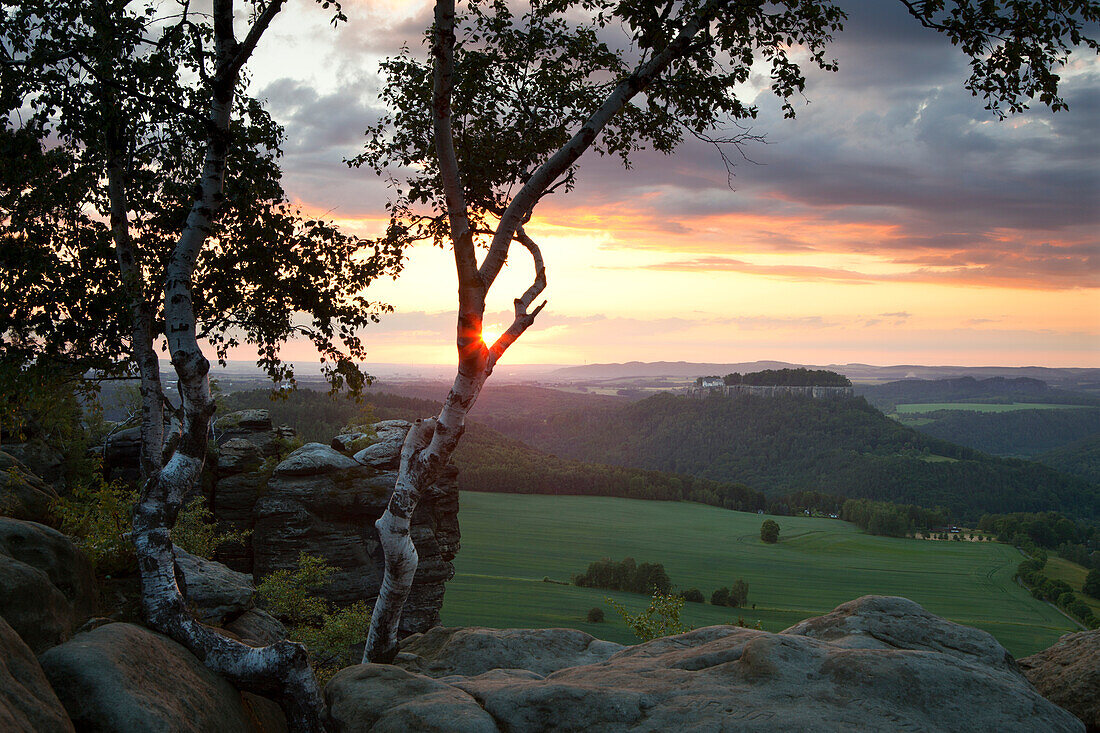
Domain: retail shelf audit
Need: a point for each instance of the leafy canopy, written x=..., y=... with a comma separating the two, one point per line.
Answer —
x=85, y=85
x=527, y=80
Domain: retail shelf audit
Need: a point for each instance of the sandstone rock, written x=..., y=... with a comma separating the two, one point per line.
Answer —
x=239, y=479
x=256, y=627
x=22, y=494
x=1068, y=674
x=41, y=459
x=321, y=502
x=37, y=610
x=875, y=664
x=440, y=651
x=213, y=591
x=313, y=459
x=351, y=442
x=251, y=425
x=386, y=451
x=122, y=455
x=27, y=702
x=380, y=698
x=47, y=587
x=124, y=678
x=68, y=569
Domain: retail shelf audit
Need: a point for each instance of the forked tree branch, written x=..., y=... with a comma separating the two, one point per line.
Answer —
x=523, y=319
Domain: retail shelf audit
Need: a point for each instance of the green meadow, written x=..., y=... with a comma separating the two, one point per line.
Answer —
x=511, y=545
x=921, y=407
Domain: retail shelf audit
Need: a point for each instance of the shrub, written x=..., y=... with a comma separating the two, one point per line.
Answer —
x=290, y=595
x=662, y=618
x=196, y=532
x=595, y=615
x=720, y=597
x=98, y=515
x=692, y=595
x=769, y=531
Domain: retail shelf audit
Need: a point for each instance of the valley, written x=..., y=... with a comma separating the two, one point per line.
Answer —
x=510, y=543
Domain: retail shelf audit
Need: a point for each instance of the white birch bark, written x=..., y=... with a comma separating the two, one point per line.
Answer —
x=431, y=442
x=280, y=670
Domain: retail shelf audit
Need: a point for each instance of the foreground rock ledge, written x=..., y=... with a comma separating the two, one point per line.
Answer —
x=874, y=664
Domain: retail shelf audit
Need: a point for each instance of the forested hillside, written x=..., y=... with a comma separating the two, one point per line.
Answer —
x=959, y=389
x=1080, y=458
x=785, y=444
x=1016, y=433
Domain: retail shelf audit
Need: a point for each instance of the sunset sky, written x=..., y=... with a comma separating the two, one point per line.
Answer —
x=895, y=221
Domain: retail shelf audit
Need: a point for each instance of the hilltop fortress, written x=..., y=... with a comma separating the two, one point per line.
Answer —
x=815, y=383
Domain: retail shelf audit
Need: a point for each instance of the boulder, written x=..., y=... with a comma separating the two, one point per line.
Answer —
x=1068, y=674
x=214, y=592
x=313, y=459
x=324, y=503
x=47, y=586
x=441, y=651
x=875, y=664
x=27, y=702
x=349, y=443
x=124, y=678
x=22, y=494
x=257, y=627
x=386, y=451
x=380, y=698
x=41, y=459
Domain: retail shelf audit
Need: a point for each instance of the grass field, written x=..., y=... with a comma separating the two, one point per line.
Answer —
x=1058, y=568
x=921, y=407
x=510, y=543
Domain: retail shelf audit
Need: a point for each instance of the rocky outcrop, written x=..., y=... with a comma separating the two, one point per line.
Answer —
x=323, y=502
x=1068, y=674
x=246, y=440
x=875, y=664
x=27, y=702
x=23, y=495
x=122, y=455
x=47, y=586
x=238, y=480
x=213, y=592
x=126, y=679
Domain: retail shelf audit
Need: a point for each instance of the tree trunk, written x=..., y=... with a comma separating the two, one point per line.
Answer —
x=280, y=670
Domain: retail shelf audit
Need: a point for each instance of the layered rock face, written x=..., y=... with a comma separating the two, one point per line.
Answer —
x=874, y=664
x=323, y=502
x=1068, y=674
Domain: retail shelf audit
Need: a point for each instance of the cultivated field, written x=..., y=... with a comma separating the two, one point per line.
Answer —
x=911, y=408
x=510, y=543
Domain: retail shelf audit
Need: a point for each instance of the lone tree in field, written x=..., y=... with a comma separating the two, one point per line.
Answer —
x=769, y=531
x=141, y=203
x=509, y=103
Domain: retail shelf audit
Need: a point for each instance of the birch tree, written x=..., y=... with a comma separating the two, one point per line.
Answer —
x=500, y=117
x=139, y=114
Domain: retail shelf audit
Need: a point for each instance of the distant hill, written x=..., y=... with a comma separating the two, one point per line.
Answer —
x=784, y=444
x=962, y=389
x=1067, y=377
